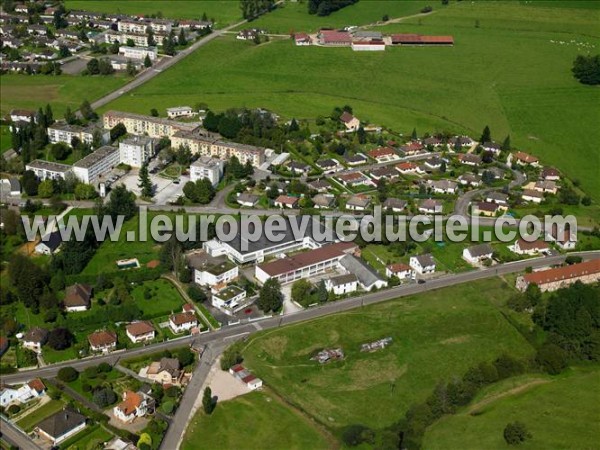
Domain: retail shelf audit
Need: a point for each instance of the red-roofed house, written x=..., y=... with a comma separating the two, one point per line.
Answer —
x=334, y=38
x=285, y=201
x=302, y=39
x=553, y=279
x=350, y=122
x=384, y=154
x=398, y=270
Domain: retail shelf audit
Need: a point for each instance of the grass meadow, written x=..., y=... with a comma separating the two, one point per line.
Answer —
x=253, y=421
x=436, y=335
x=33, y=91
x=505, y=72
x=224, y=12
x=559, y=412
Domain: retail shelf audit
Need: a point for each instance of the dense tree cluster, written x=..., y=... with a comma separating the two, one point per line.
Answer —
x=270, y=297
x=100, y=66
x=201, y=191
x=326, y=7
x=587, y=69
x=251, y=9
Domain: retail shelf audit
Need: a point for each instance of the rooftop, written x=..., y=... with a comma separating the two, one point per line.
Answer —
x=95, y=157
x=203, y=262
x=48, y=165
x=229, y=292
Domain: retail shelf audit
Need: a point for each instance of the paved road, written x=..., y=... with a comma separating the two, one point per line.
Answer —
x=15, y=436
x=162, y=65
x=193, y=391
x=228, y=332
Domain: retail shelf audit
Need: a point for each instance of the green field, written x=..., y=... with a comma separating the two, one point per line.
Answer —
x=89, y=439
x=224, y=12
x=293, y=16
x=33, y=418
x=5, y=139
x=254, y=421
x=559, y=413
x=436, y=335
x=506, y=74
x=31, y=92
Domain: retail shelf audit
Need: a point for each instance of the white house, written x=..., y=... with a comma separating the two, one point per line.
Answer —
x=422, y=264
x=342, y=284
x=103, y=341
x=247, y=200
x=207, y=167
x=181, y=322
x=140, y=331
x=210, y=271
x=180, y=111
x=22, y=115
x=229, y=299
x=35, y=339
x=431, y=206
x=443, y=186
x=22, y=394
x=477, y=253
x=134, y=404
x=358, y=203
x=61, y=426
x=49, y=243
x=523, y=247
x=399, y=270
x=530, y=195
x=350, y=122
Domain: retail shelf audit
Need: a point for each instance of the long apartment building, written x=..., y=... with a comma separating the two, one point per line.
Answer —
x=89, y=168
x=139, y=39
x=139, y=124
x=48, y=170
x=206, y=145
x=63, y=132
x=134, y=26
x=553, y=279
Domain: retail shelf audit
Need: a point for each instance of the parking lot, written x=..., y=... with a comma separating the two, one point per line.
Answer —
x=165, y=190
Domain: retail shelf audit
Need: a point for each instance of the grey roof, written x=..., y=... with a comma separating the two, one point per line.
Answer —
x=313, y=228
x=36, y=334
x=395, y=203
x=480, y=250
x=355, y=158
x=357, y=200
x=368, y=34
x=327, y=163
x=14, y=184
x=323, y=200
x=61, y=423
x=425, y=260
x=366, y=275
x=48, y=165
x=343, y=279
x=498, y=196
x=93, y=158
x=206, y=161
x=248, y=198
x=137, y=140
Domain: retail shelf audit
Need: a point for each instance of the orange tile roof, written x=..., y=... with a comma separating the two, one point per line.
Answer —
x=564, y=273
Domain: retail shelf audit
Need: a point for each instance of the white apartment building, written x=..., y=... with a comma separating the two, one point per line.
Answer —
x=98, y=163
x=46, y=170
x=136, y=150
x=207, y=167
x=180, y=111
x=139, y=52
x=132, y=26
x=63, y=132
x=229, y=299
x=211, y=271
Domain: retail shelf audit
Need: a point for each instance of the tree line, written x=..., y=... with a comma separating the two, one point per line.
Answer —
x=326, y=7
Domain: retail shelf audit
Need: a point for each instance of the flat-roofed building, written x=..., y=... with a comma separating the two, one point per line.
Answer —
x=139, y=52
x=47, y=170
x=63, y=132
x=230, y=299
x=207, y=167
x=136, y=150
x=180, y=111
x=98, y=163
x=154, y=127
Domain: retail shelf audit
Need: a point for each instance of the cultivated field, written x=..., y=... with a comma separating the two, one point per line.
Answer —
x=504, y=71
x=224, y=12
x=253, y=421
x=435, y=336
x=558, y=412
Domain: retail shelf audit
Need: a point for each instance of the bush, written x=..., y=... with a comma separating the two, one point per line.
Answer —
x=104, y=397
x=231, y=356
x=91, y=372
x=67, y=374
x=571, y=259
x=168, y=407
x=196, y=294
x=552, y=358
x=104, y=367
x=14, y=409
x=515, y=433
x=86, y=387
x=185, y=356
x=354, y=435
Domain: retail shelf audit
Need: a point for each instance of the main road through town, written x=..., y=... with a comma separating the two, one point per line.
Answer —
x=228, y=332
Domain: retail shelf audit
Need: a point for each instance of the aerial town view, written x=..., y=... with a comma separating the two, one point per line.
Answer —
x=299, y=224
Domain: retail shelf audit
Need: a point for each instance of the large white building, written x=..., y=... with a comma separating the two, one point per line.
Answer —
x=63, y=132
x=207, y=167
x=136, y=150
x=229, y=299
x=100, y=162
x=47, y=170
x=211, y=271
x=139, y=52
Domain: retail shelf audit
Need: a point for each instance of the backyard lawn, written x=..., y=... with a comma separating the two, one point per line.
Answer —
x=163, y=298
x=28, y=422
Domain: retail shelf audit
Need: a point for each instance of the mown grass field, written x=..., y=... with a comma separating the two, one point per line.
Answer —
x=254, y=421
x=164, y=298
x=436, y=335
x=224, y=12
x=31, y=92
x=559, y=413
x=33, y=418
x=507, y=73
